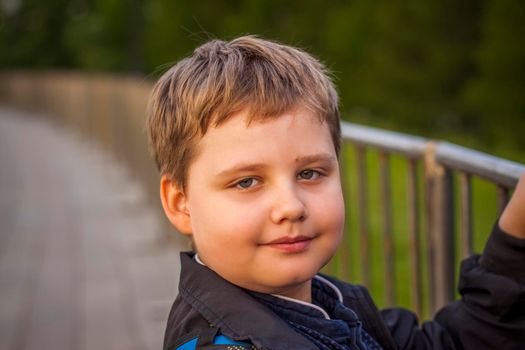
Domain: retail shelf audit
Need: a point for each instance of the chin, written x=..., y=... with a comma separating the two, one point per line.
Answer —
x=300, y=275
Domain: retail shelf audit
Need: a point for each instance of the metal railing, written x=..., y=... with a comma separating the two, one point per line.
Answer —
x=441, y=162
x=111, y=110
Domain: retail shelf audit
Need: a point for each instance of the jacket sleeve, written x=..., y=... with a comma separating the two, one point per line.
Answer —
x=491, y=312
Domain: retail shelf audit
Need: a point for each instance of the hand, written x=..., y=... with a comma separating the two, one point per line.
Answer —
x=512, y=219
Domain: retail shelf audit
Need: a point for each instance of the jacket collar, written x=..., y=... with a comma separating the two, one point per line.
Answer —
x=237, y=314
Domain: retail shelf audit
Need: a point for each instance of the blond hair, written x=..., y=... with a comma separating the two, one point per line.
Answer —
x=222, y=78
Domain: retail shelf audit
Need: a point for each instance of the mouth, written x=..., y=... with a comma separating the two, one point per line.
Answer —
x=291, y=244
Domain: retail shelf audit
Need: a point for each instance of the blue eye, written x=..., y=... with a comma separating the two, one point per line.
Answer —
x=246, y=183
x=308, y=174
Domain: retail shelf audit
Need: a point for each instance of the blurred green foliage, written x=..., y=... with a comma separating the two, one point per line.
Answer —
x=452, y=69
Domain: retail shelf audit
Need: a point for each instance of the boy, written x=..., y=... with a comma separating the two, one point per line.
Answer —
x=246, y=136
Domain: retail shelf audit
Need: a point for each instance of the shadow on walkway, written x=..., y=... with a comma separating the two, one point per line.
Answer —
x=82, y=263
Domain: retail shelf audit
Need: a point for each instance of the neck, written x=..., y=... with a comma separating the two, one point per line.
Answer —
x=302, y=292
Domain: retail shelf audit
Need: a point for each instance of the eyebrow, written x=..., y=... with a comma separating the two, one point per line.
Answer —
x=315, y=158
x=247, y=167
x=241, y=167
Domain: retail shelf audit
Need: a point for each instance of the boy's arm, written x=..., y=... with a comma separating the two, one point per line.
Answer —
x=504, y=253
x=512, y=219
x=491, y=314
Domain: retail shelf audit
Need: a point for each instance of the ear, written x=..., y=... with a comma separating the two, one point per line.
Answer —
x=175, y=205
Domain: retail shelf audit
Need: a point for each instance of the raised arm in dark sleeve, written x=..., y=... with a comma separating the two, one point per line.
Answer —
x=491, y=312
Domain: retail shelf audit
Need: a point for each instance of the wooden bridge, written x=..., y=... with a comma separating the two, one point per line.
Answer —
x=83, y=263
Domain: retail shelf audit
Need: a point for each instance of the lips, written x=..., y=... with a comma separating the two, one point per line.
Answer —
x=291, y=244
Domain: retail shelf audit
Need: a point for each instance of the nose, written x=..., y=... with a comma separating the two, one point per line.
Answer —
x=288, y=206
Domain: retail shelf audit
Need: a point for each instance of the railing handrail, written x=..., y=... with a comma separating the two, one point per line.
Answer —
x=495, y=169
x=498, y=170
x=413, y=146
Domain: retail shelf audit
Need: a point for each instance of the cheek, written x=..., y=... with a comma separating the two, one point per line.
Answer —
x=330, y=208
x=227, y=221
x=339, y=209
x=332, y=222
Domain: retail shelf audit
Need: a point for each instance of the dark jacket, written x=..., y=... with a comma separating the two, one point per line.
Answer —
x=490, y=315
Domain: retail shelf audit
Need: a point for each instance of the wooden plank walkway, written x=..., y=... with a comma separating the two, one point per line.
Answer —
x=83, y=264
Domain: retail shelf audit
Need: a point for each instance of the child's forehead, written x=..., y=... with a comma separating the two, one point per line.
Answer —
x=250, y=129
x=253, y=116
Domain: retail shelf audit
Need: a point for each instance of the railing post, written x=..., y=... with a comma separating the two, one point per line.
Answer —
x=443, y=236
x=363, y=214
x=414, y=237
x=388, y=240
x=440, y=226
x=430, y=165
x=503, y=198
x=466, y=215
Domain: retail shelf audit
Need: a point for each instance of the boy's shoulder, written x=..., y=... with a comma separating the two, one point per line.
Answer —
x=208, y=304
x=187, y=328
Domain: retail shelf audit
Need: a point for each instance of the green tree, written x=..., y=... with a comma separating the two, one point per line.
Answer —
x=415, y=62
x=32, y=35
x=105, y=34
x=495, y=97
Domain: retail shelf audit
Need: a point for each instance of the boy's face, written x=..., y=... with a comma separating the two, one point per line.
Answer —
x=265, y=203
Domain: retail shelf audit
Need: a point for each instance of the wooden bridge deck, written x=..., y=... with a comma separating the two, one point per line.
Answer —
x=82, y=263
